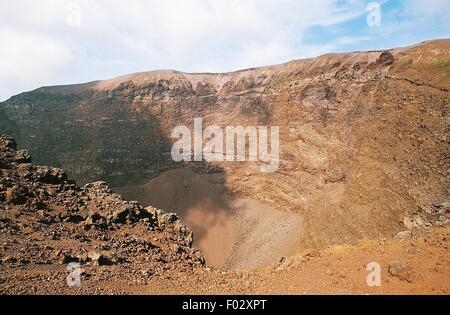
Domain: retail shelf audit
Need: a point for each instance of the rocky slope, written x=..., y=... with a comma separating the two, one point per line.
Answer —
x=363, y=138
x=47, y=222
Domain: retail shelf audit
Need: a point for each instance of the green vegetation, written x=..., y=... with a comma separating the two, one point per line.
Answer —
x=443, y=64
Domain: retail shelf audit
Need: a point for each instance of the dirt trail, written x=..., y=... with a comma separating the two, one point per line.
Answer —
x=422, y=267
x=232, y=233
x=340, y=269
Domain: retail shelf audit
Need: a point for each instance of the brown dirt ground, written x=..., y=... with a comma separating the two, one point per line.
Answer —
x=335, y=270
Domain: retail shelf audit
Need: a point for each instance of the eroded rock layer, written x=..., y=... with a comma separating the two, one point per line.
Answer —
x=363, y=136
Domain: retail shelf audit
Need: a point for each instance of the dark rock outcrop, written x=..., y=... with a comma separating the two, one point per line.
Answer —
x=66, y=223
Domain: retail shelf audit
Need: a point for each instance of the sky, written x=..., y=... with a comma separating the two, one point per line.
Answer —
x=56, y=42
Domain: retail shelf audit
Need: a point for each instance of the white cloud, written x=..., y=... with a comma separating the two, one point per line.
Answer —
x=427, y=8
x=30, y=54
x=117, y=37
x=28, y=60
